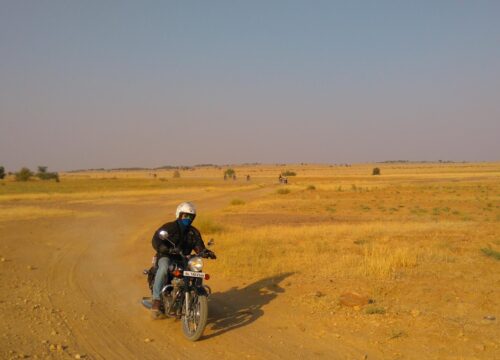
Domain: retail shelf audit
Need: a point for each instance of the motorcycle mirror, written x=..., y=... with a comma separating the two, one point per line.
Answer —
x=164, y=236
x=211, y=242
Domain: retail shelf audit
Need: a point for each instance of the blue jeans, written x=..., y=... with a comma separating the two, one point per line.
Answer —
x=160, y=277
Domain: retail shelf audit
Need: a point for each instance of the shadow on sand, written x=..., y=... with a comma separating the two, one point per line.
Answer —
x=239, y=307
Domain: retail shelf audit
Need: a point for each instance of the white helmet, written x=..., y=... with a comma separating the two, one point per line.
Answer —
x=185, y=207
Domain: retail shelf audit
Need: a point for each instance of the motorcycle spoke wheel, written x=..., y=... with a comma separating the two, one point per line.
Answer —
x=195, y=320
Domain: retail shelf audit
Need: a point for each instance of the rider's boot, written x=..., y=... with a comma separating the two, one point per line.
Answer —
x=155, y=310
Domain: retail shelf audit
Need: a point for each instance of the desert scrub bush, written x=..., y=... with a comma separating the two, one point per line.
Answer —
x=288, y=173
x=376, y=171
x=360, y=241
x=2, y=172
x=396, y=333
x=176, y=174
x=42, y=174
x=283, y=191
x=229, y=173
x=374, y=310
x=311, y=187
x=24, y=174
x=492, y=253
x=237, y=202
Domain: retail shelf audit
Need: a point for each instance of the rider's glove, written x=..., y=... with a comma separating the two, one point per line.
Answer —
x=211, y=254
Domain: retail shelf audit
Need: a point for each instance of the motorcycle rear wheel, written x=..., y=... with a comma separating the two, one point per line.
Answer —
x=195, y=321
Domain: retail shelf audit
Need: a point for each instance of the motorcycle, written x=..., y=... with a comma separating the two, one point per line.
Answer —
x=184, y=296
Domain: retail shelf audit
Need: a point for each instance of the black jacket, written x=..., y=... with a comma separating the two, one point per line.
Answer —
x=187, y=241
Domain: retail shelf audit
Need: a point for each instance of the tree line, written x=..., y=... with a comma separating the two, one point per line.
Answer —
x=26, y=174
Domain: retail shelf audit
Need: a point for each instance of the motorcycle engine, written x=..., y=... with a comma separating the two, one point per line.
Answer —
x=176, y=282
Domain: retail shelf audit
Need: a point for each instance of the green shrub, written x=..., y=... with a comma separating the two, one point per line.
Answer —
x=374, y=310
x=229, y=173
x=24, y=174
x=288, y=173
x=42, y=174
x=2, y=172
x=376, y=171
x=360, y=241
x=490, y=252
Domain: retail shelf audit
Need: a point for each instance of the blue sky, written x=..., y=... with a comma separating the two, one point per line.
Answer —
x=93, y=84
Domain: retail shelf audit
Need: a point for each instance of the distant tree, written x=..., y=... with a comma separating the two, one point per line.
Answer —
x=229, y=173
x=177, y=174
x=24, y=174
x=2, y=172
x=376, y=171
x=42, y=174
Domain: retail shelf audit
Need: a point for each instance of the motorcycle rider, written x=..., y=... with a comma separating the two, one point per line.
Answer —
x=185, y=237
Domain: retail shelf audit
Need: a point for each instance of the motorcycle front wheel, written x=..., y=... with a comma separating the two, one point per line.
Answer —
x=194, y=322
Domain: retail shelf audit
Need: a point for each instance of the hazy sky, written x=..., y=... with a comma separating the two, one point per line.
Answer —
x=88, y=84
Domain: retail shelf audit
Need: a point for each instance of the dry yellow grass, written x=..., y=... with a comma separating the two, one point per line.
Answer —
x=340, y=221
x=363, y=250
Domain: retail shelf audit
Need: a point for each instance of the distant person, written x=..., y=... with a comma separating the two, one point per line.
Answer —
x=184, y=236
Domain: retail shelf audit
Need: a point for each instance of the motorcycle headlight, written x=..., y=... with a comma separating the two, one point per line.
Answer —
x=195, y=263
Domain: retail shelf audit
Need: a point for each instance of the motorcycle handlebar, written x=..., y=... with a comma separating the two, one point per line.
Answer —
x=207, y=254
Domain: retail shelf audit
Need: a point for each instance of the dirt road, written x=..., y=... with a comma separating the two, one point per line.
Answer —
x=71, y=288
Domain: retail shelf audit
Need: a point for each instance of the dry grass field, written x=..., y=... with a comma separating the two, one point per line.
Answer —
x=420, y=241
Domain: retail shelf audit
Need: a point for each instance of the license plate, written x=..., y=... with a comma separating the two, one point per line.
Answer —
x=194, y=274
